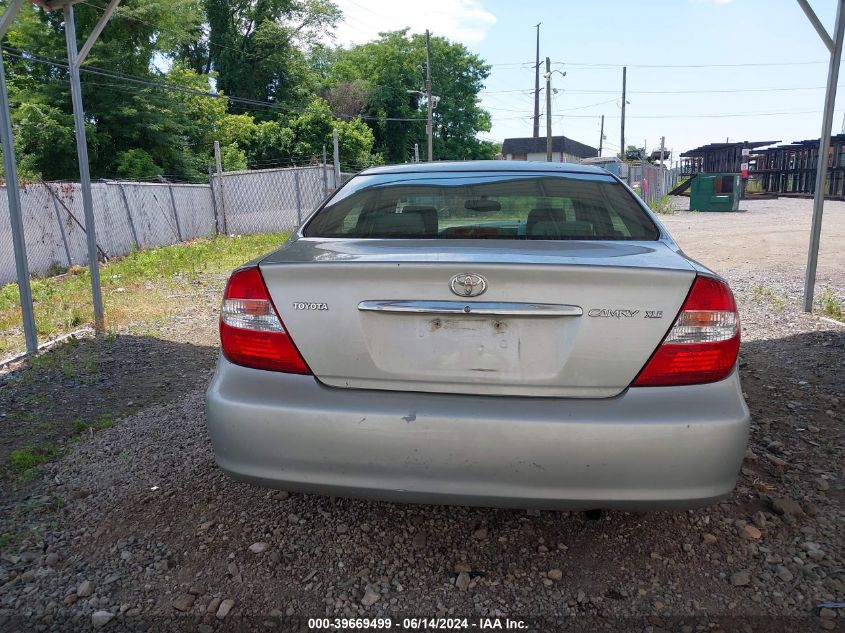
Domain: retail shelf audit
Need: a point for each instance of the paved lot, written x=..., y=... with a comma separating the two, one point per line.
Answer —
x=136, y=520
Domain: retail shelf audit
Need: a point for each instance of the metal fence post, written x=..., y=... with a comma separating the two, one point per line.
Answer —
x=84, y=173
x=213, y=201
x=129, y=215
x=298, y=196
x=336, y=156
x=61, y=229
x=219, y=163
x=325, y=174
x=15, y=214
x=175, y=213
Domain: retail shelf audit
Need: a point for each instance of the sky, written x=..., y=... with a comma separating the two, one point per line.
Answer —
x=699, y=71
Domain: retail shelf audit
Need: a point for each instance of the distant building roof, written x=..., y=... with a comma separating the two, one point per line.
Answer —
x=536, y=145
x=716, y=147
x=835, y=139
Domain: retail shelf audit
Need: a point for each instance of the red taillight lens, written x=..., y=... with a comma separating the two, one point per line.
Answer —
x=251, y=332
x=702, y=345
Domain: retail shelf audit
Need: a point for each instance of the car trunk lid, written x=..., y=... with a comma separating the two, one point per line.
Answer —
x=564, y=319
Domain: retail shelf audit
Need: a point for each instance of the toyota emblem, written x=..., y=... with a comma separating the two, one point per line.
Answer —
x=468, y=285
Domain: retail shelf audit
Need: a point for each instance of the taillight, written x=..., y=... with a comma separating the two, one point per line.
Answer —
x=702, y=345
x=251, y=332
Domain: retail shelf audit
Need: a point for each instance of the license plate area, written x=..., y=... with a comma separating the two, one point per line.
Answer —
x=469, y=344
x=471, y=349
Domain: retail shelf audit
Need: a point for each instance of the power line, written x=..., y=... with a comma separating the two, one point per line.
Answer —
x=599, y=65
x=702, y=91
x=734, y=65
x=591, y=105
x=93, y=70
x=715, y=115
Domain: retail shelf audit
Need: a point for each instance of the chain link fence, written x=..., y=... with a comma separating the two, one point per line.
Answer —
x=139, y=215
x=652, y=182
x=127, y=214
x=270, y=199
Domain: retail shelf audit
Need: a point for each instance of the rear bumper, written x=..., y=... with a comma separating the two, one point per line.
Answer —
x=648, y=448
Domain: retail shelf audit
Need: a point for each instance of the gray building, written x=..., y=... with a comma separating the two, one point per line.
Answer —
x=564, y=150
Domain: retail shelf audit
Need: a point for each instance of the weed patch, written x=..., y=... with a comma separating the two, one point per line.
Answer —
x=765, y=294
x=24, y=462
x=831, y=305
x=663, y=206
x=136, y=288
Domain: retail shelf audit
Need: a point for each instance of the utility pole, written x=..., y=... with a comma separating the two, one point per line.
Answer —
x=548, y=110
x=601, y=136
x=416, y=152
x=430, y=123
x=622, y=136
x=537, y=86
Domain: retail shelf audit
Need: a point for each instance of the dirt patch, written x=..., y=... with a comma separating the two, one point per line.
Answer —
x=770, y=236
x=87, y=384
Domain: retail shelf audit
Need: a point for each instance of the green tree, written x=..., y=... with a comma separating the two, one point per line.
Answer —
x=121, y=115
x=312, y=130
x=135, y=164
x=395, y=64
x=256, y=47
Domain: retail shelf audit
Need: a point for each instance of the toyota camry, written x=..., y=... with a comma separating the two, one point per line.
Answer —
x=496, y=333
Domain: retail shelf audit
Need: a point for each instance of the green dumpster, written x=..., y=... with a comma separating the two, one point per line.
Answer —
x=714, y=192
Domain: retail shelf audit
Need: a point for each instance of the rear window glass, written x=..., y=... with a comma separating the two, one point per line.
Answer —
x=474, y=206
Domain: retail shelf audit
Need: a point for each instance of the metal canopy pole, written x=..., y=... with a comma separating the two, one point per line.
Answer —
x=13, y=192
x=835, y=46
x=75, y=59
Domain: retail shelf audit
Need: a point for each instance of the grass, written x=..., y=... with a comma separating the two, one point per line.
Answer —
x=831, y=305
x=135, y=287
x=105, y=421
x=24, y=462
x=663, y=206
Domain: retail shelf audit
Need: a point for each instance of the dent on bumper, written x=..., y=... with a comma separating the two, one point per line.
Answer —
x=647, y=448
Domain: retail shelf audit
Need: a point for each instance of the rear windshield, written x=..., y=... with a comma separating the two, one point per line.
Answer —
x=484, y=206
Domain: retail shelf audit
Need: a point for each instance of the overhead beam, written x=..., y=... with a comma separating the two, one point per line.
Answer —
x=817, y=24
x=104, y=19
x=54, y=5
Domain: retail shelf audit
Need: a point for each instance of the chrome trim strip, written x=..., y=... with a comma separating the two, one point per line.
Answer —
x=475, y=308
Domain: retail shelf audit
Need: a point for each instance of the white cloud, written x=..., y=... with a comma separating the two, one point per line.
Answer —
x=465, y=21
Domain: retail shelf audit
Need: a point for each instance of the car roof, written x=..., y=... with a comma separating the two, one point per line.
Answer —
x=500, y=166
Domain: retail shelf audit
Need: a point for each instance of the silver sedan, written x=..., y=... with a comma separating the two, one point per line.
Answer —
x=488, y=333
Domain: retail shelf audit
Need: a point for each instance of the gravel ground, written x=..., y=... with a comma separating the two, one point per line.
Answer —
x=137, y=529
